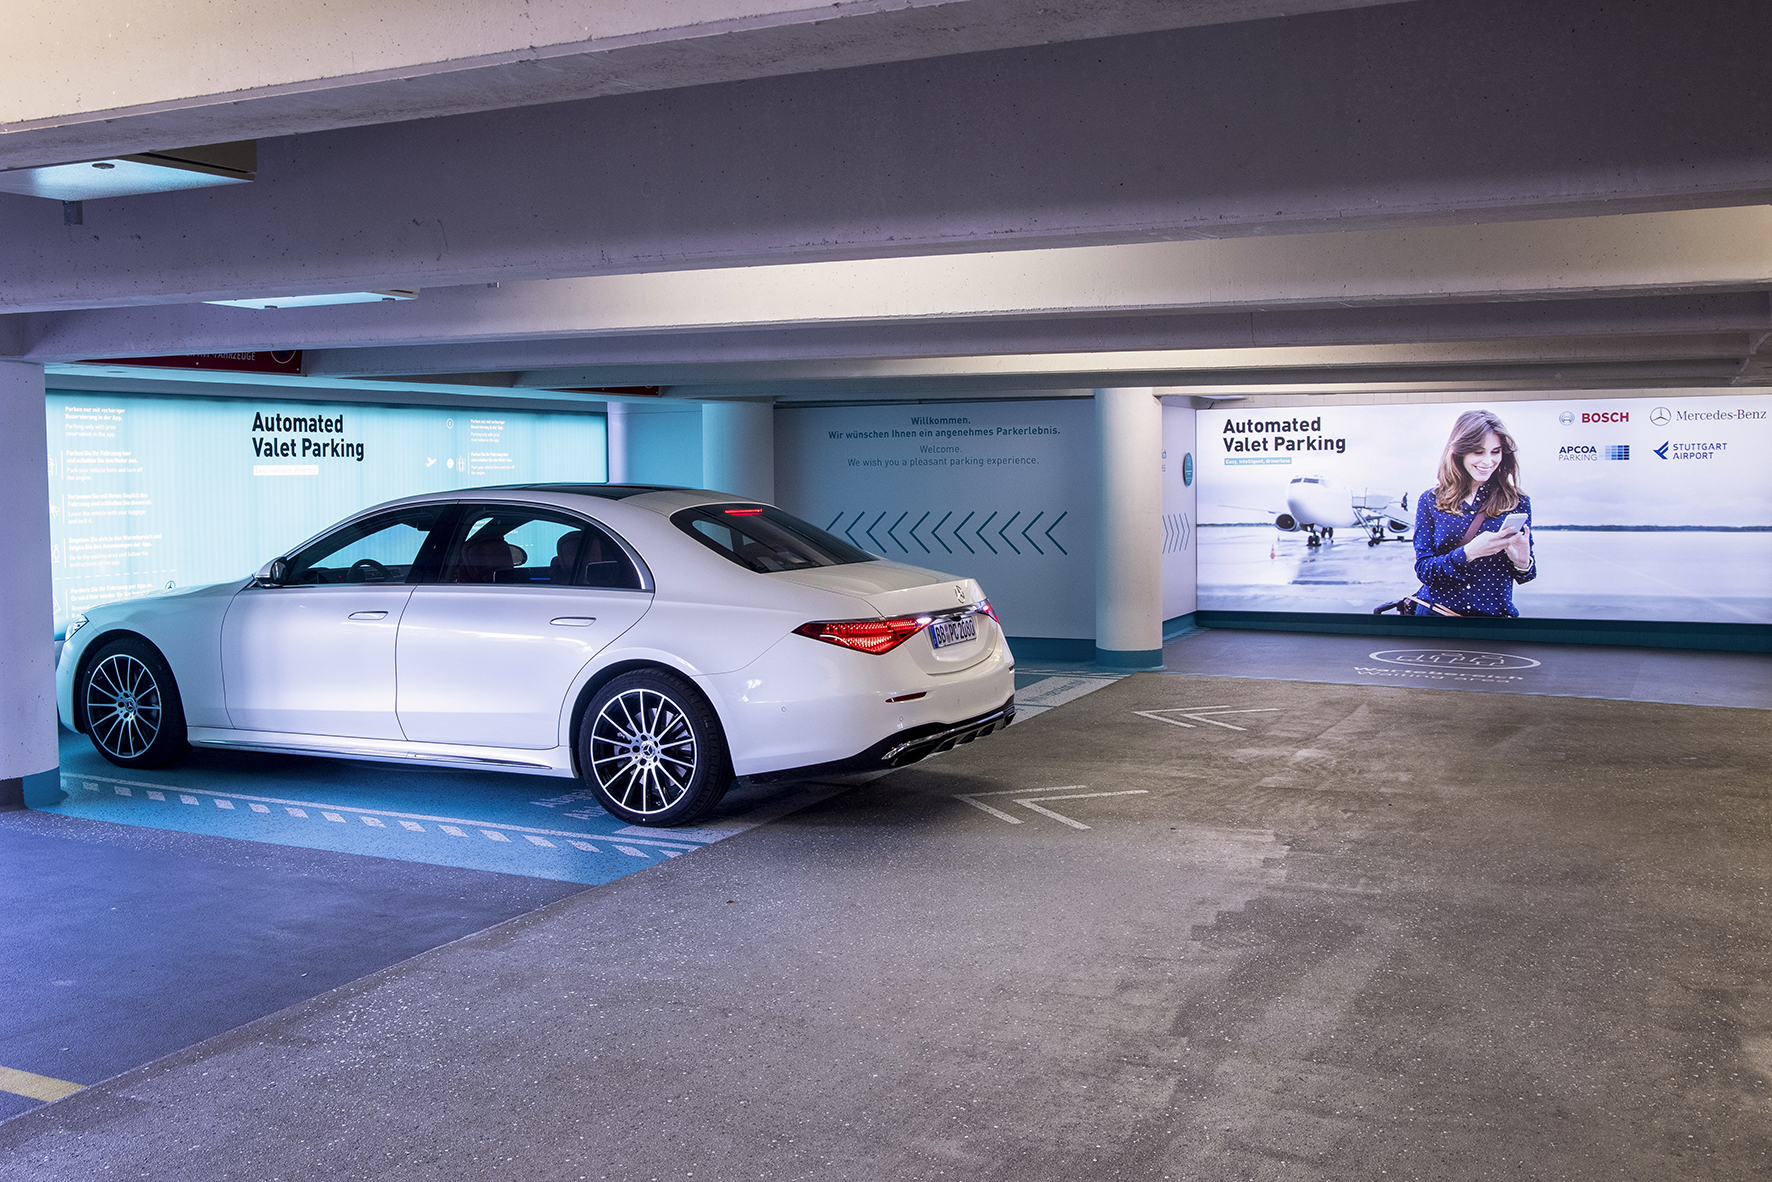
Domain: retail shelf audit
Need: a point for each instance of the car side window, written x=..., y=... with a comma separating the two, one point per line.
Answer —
x=518, y=545
x=384, y=549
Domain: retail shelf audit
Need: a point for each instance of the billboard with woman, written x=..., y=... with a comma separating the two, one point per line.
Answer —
x=1654, y=507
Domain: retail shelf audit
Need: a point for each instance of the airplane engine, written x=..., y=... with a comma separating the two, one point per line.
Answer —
x=1286, y=522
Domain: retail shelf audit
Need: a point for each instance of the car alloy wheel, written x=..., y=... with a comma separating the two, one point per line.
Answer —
x=652, y=751
x=133, y=713
x=123, y=706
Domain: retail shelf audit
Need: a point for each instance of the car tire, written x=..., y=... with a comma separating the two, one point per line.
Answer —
x=131, y=706
x=651, y=749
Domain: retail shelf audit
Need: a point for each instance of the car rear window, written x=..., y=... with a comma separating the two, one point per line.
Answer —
x=765, y=539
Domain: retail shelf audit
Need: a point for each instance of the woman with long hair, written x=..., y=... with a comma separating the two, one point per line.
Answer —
x=1465, y=572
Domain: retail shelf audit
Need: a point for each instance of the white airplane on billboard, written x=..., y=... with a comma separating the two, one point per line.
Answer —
x=1316, y=505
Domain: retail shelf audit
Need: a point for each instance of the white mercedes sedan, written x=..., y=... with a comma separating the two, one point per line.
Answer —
x=655, y=642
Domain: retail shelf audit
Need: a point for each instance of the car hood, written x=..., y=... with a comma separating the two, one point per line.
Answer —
x=890, y=588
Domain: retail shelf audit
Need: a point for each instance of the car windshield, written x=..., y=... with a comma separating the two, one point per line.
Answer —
x=765, y=539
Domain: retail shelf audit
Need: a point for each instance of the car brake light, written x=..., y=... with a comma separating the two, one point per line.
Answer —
x=744, y=512
x=867, y=636
x=984, y=605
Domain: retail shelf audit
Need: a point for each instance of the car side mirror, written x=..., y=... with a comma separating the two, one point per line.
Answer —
x=273, y=573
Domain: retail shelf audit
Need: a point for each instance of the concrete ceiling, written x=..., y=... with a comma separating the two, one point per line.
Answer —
x=942, y=198
x=104, y=77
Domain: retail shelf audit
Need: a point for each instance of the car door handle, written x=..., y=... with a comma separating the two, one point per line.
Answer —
x=574, y=621
x=367, y=615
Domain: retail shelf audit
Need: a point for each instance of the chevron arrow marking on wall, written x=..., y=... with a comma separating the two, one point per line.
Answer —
x=936, y=532
x=870, y=530
x=1176, y=530
x=918, y=526
x=1008, y=541
x=960, y=538
x=979, y=533
x=894, y=526
x=1054, y=526
x=850, y=531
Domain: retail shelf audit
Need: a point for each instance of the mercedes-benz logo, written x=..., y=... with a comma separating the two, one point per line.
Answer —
x=960, y=592
x=1566, y=417
x=1660, y=416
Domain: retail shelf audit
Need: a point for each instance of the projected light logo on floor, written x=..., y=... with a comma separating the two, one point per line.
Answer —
x=1452, y=658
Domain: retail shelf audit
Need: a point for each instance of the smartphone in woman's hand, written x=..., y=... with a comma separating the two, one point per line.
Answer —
x=1513, y=523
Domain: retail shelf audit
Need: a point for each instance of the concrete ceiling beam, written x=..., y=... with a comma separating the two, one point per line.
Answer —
x=105, y=77
x=1691, y=252
x=1733, y=314
x=1408, y=115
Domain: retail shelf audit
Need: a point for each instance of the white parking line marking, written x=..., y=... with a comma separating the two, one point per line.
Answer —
x=1200, y=714
x=372, y=822
x=971, y=799
x=631, y=852
x=333, y=817
x=156, y=795
x=494, y=835
x=89, y=787
x=183, y=798
x=1029, y=804
x=120, y=790
x=539, y=840
x=296, y=812
x=586, y=846
x=453, y=831
x=412, y=825
x=225, y=804
x=988, y=809
x=259, y=808
x=678, y=842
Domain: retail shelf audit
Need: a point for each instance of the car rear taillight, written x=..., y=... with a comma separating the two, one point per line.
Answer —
x=867, y=636
x=984, y=605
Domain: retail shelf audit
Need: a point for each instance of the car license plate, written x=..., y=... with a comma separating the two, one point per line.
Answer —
x=945, y=632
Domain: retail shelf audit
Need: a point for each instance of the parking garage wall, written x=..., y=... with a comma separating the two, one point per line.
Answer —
x=152, y=492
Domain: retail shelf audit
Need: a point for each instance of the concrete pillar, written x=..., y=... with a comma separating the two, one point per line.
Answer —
x=616, y=420
x=1129, y=535
x=738, y=448
x=28, y=758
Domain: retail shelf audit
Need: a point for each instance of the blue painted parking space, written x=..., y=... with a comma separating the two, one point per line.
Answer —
x=540, y=827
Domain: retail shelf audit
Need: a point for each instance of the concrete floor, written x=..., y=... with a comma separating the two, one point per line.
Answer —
x=123, y=944
x=1350, y=932
x=1587, y=671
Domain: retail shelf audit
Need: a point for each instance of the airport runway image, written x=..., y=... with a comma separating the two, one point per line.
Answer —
x=1699, y=575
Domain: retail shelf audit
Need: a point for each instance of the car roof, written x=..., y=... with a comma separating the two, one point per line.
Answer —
x=660, y=498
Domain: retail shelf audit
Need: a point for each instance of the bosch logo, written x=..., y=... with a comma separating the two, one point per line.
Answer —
x=1605, y=416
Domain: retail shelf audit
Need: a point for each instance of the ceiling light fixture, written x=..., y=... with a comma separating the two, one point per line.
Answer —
x=137, y=173
x=272, y=303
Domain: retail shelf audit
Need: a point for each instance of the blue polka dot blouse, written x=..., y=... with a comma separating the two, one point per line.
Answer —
x=1484, y=586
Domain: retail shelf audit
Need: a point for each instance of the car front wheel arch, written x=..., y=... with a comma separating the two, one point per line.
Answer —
x=650, y=747
x=140, y=720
